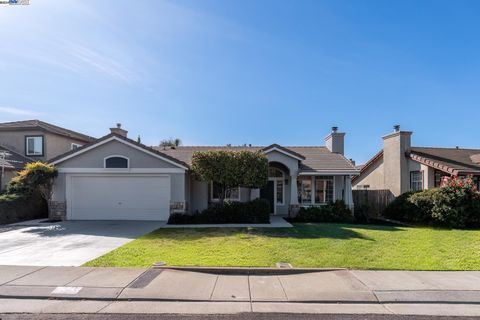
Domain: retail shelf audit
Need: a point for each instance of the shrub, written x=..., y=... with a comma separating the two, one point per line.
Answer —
x=457, y=204
x=255, y=211
x=35, y=177
x=424, y=202
x=332, y=212
x=18, y=207
x=401, y=208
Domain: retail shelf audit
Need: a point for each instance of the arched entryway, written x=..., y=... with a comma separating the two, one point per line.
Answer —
x=276, y=189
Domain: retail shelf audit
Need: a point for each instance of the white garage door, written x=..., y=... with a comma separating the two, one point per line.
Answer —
x=118, y=197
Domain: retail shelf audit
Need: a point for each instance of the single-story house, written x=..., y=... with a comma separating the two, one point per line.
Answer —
x=400, y=167
x=117, y=178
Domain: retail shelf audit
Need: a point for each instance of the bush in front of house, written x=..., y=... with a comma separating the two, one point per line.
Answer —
x=255, y=211
x=17, y=207
x=456, y=204
x=333, y=212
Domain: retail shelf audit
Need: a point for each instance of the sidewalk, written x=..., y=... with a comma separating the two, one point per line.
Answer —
x=126, y=290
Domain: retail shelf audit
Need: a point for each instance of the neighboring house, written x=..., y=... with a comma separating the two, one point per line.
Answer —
x=116, y=178
x=10, y=163
x=37, y=140
x=40, y=140
x=399, y=167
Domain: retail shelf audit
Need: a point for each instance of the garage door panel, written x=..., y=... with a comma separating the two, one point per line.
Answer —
x=119, y=197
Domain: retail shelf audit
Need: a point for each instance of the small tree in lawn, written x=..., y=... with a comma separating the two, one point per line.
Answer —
x=231, y=169
x=36, y=176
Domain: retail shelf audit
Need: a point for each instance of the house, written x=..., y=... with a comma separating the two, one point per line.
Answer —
x=10, y=163
x=33, y=140
x=116, y=178
x=399, y=167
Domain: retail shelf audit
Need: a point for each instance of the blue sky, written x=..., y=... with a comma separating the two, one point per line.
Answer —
x=218, y=72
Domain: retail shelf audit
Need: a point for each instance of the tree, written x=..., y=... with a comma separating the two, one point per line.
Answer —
x=231, y=169
x=170, y=142
x=36, y=176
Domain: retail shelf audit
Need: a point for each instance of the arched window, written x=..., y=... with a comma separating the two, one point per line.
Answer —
x=116, y=162
x=275, y=173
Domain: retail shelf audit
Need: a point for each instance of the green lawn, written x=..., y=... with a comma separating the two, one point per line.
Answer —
x=305, y=245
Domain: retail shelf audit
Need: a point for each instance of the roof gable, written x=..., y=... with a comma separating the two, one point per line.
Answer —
x=44, y=126
x=121, y=139
x=286, y=151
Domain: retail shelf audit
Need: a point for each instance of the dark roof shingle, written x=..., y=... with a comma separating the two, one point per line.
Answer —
x=13, y=160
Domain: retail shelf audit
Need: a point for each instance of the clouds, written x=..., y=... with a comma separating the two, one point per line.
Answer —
x=18, y=111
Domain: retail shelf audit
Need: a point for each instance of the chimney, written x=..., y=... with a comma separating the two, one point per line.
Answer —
x=395, y=162
x=118, y=130
x=334, y=141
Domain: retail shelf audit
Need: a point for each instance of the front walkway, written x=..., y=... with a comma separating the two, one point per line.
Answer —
x=67, y=243
x=275, y=222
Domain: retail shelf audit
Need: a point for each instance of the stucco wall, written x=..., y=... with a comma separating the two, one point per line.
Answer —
x=94, y=158
x=8, y=175
x=54, y=145
x=373, y=176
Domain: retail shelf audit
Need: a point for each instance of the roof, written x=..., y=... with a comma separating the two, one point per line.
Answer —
x=315, y=158
x=456, y=161
x=14, y=160
x=115, y=136
x=44, y=126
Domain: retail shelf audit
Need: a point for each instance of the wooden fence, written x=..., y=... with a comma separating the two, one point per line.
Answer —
x=372, y=201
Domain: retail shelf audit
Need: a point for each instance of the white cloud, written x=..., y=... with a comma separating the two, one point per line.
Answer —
x=18, y=111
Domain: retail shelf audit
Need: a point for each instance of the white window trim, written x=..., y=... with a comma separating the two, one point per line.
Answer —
x=228, y=199
x=26, y=147
x=312, y=200
x=72, y=145
x=325, y=194
x=116, y=156
x=422, y=181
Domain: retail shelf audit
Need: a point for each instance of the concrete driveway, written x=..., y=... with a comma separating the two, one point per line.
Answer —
x=69, y=243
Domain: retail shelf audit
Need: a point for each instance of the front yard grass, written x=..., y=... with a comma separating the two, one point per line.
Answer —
x=305, y=245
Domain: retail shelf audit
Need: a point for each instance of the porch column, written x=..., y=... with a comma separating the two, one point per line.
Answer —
x=254, y=194
x=348, y=196
x=293, y=190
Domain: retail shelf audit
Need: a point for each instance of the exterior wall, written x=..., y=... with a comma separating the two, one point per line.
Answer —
x=395, y=162
x=373, y=177
x=8, y=175
x=199, y=195
x=54, y=144
x=335, y=142
x=339, y=187
x=95, y=158
x=428, y=177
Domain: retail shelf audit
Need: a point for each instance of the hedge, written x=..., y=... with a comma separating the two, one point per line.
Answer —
x=332, y=212
x=255, y=211
x=17, y=208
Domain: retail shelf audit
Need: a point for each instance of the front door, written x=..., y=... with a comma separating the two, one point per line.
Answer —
x=268, y=193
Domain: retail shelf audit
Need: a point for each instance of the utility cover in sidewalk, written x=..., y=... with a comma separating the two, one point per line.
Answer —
x=66, y=290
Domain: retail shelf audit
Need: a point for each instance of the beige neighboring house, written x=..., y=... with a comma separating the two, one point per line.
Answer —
x=35, y=140
x=117, y=178
x=10, y=163
x=399, y=167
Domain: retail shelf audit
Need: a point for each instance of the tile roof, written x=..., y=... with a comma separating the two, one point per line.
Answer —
x=453, y=160
x=37, y=124
x=316, y=158
x=14, y=160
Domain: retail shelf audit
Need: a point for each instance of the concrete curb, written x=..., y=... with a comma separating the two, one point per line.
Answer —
x=246, y=270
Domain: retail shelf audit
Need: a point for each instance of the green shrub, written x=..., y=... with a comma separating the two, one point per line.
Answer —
x=332, y=212
x=35, y=177
x=255, y=211
x=18, y=207
x=402, y=209
x=456, y=204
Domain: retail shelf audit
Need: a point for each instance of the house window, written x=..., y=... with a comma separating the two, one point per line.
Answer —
x=231, y=195
x=34, y=146
x=323, y=189
x=116, y=162
x=279, y=183
x=74, y=146
x=304, y=186
x=438, y=176
x=416, y=180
